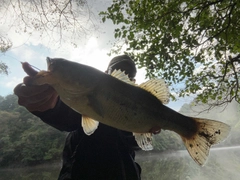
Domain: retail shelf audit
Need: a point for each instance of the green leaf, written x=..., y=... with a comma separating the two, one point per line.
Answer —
x=173, y=41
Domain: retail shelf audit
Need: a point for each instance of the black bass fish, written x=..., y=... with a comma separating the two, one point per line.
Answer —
x=116, y=101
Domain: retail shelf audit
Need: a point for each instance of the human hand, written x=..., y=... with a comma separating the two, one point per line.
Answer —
x=155, y=130
x=35, y=98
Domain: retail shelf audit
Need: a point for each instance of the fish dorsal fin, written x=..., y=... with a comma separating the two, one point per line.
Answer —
x=144, y=140
x=122, y=76
x=158, y=88
x=89, y=125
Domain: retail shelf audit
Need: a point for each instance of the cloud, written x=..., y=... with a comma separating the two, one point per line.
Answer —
x=7, y=84
x=90, y=54
x=12, y=82
x=34, y=47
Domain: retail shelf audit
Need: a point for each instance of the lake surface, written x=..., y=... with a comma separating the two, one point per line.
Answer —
x=41, y=172
x=223, y=163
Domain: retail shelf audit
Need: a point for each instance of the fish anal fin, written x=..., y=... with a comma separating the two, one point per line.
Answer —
x=144, y=140
x=89, y=125
x=209, y=132
x=122, y=76
x=158, y=88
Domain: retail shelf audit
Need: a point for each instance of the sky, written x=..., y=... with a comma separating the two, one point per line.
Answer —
x=91, y=50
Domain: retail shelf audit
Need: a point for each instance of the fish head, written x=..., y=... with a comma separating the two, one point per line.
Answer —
x=59, y=66
x=66, y=76
x=59, y=71
x=50, y=76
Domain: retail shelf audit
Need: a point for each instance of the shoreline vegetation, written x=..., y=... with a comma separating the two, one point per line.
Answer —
x=223, y=163
x=27, y=141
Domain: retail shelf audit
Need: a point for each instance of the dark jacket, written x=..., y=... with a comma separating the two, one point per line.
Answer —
x=106, y=154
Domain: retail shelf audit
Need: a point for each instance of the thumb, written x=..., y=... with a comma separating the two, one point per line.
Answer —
x=28, y=69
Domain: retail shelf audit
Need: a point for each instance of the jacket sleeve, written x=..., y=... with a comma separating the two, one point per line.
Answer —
x=61, y=117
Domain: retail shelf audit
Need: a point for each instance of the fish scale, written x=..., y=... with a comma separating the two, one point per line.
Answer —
x=116, y=101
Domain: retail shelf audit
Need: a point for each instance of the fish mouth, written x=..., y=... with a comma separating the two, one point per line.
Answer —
x=50, y=63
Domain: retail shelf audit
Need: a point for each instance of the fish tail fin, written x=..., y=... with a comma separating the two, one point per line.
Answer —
x=209, y=132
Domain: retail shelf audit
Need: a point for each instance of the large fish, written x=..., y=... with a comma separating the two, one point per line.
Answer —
x=116, y=101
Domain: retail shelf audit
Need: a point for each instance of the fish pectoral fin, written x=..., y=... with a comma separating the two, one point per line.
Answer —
x=89, y=125
x=144, y=140
x=122, y=76
x=158, y=88
x=209, y=132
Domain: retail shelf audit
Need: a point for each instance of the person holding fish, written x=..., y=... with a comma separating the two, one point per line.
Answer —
x=111, y=107
x=108, y=153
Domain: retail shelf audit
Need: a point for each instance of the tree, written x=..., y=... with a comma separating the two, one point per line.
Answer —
x=3, y=68
x=56, y=20
x=5, y=44
x=52, y=21
x=8, y=103
x=24, y=139
x=193, y=45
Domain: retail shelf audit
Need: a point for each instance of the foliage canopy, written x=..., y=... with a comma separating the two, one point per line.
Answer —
x=24, y=139
x=51, y=21
x=54, y=20
x=3, y=68
x=191, y=43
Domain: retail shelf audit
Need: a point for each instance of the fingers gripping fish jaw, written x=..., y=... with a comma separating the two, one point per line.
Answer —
x=43, y=77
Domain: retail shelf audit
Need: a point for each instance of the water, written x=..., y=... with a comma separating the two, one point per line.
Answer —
x=223, y=163
x=42, y=172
